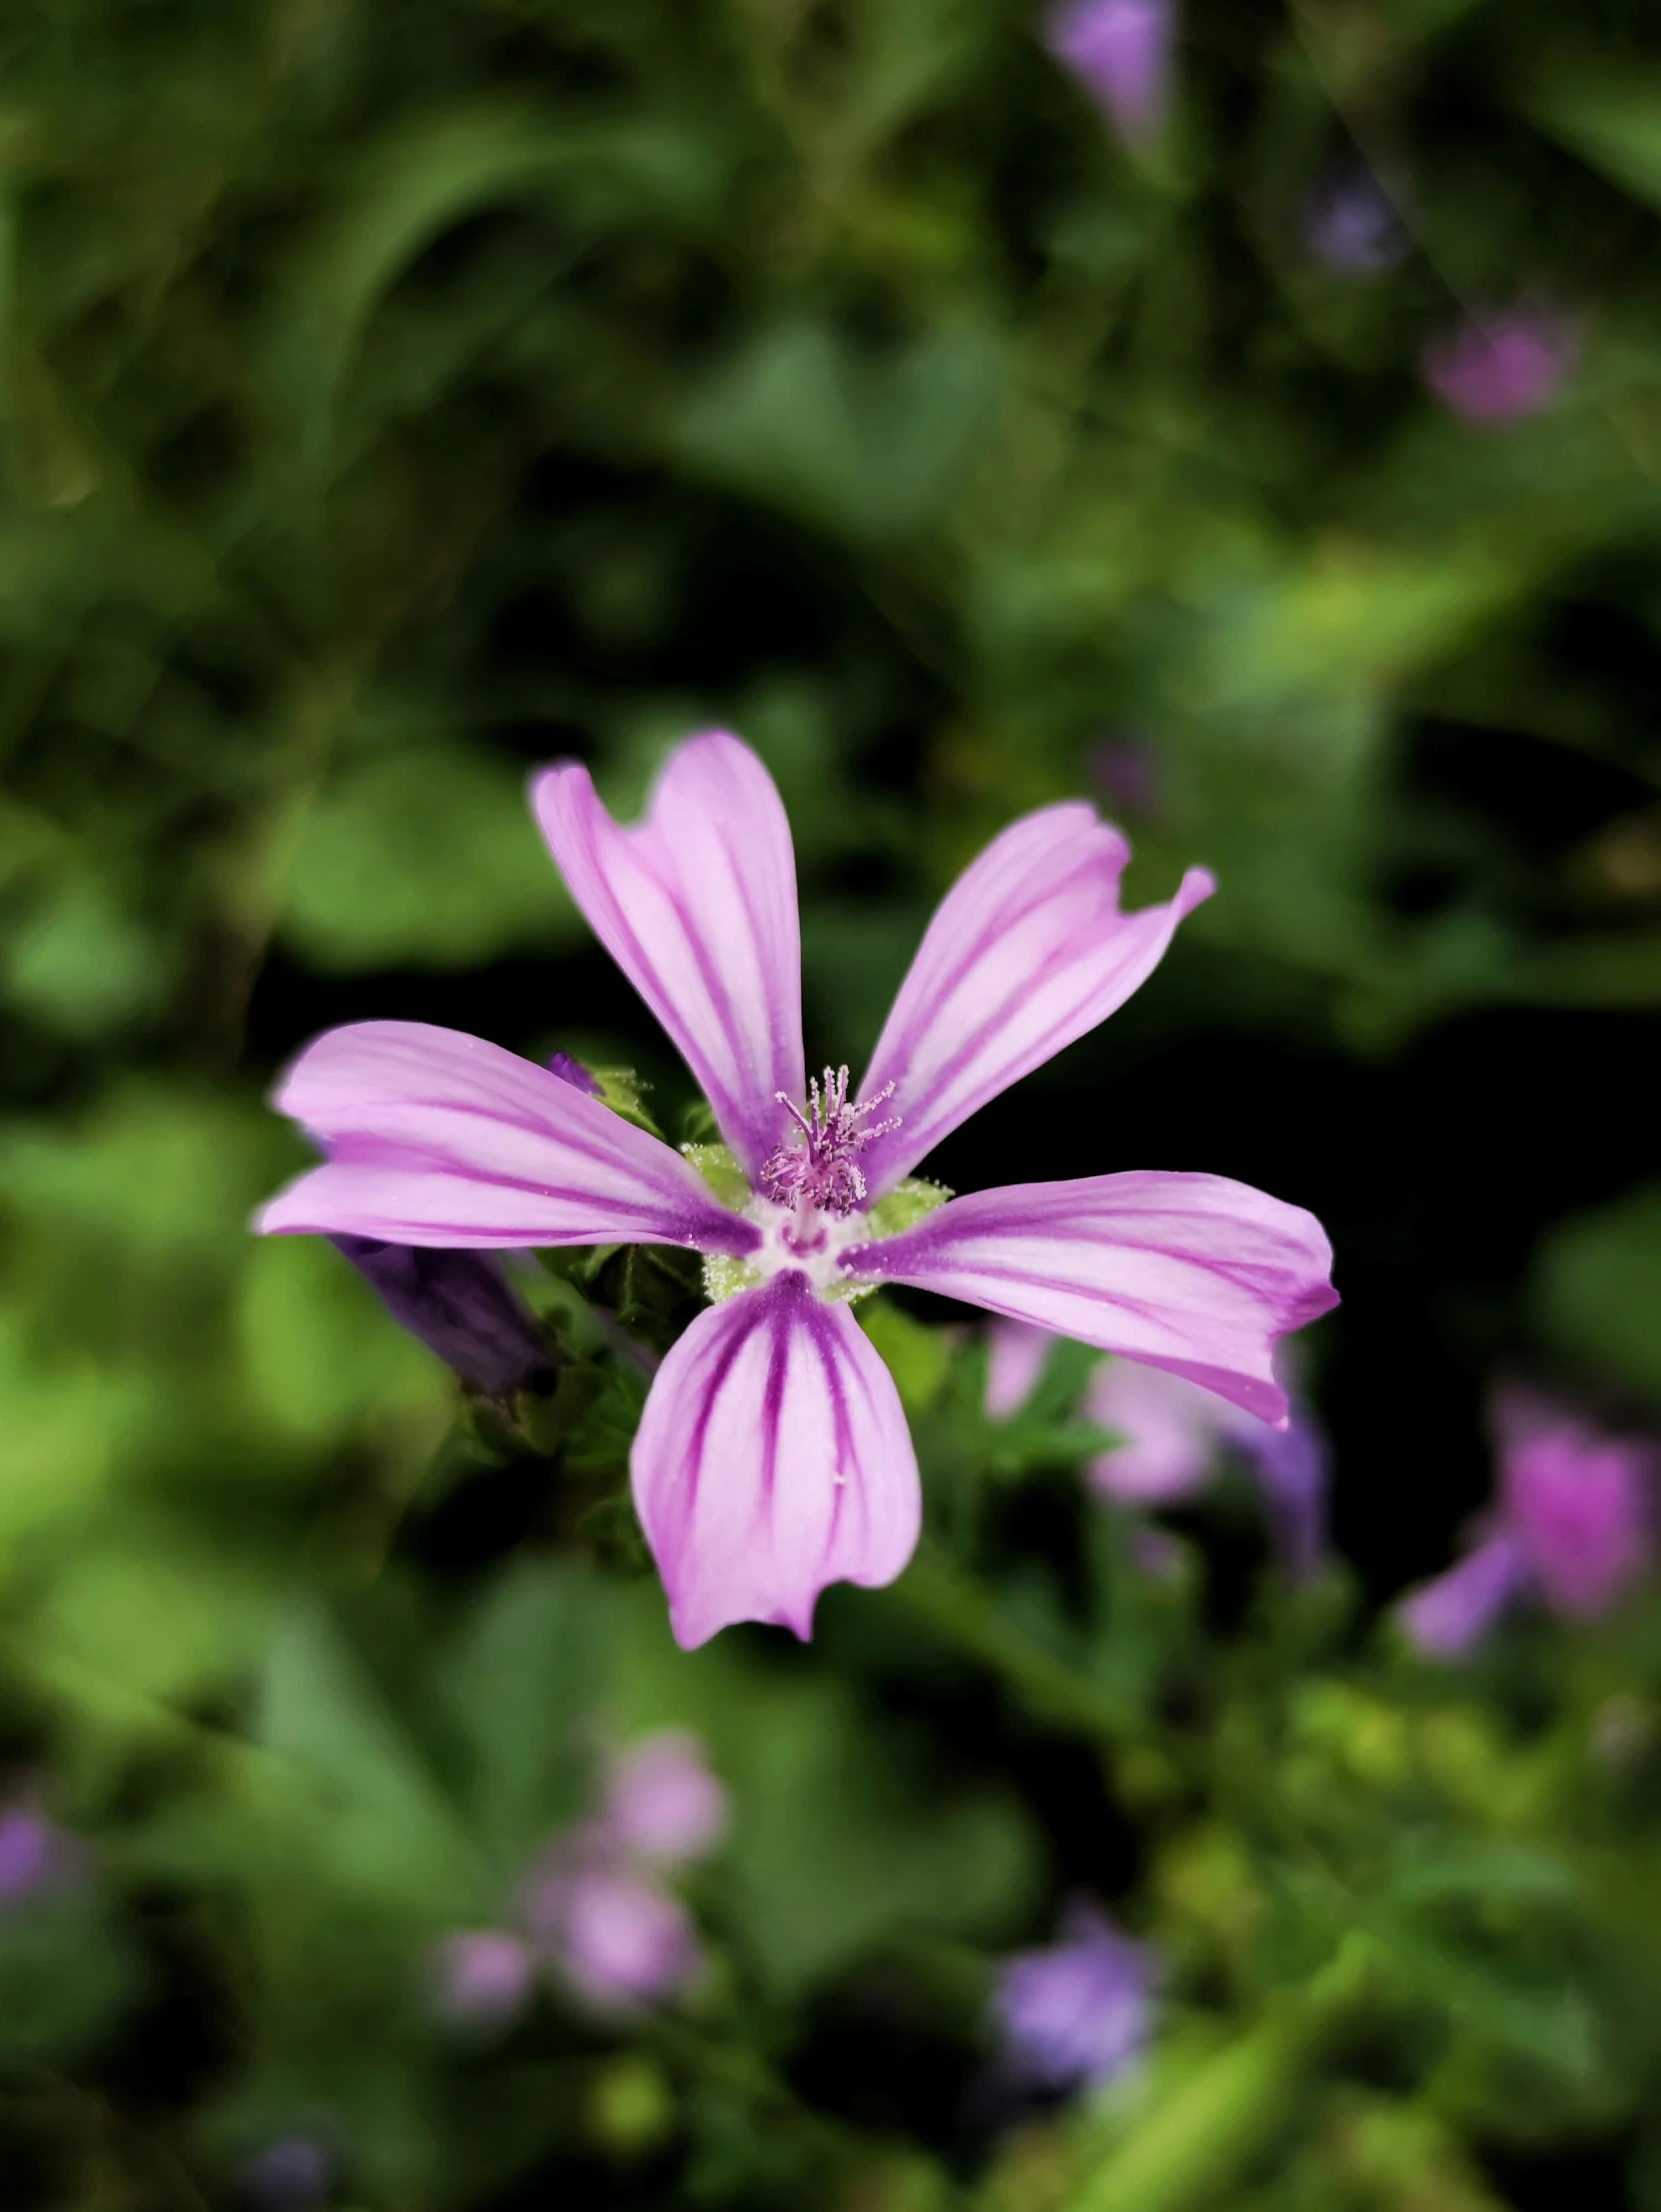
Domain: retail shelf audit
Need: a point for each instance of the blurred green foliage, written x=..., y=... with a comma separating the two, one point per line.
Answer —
x=394, y=397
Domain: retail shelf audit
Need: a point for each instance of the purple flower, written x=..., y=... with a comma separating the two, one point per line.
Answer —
x=1352, y=226
x=1120, y=52
x=662, y=1803
x=481, y=1978
x=1078, y=2013
x=1447, y=1617
x=1173, y=1429
x=459, y=1305
x=291, y=2175
x=35, y=1854
x=1014, y=1357
x=773, y=1457
x=1496, y=369
x=613, y=1932
x=1574, y=1528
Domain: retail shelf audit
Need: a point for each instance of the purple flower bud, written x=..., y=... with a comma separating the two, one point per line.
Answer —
x=288, y=2176
x=1449, y=1616
x=481, y=1978
x=1014, y=1357
x=1078, y=2013
x=459, y=1305
x=35, y=1854
x=1496, y=369
x=1580, y=1504
x=1120, y=52
x=1350, y=225
x=662, y=1802
x=571, y=1070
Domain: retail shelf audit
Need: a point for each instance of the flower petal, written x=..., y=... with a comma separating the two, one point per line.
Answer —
x=1447, y=1615
x=1029, y=950
x=1192, y=1273
x=697, y=906
x=435, y=1138
x=772, y=1458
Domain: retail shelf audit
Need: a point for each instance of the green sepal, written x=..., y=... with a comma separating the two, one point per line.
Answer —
x=621, y=1089
x=720, y=1170
x=906, y=1205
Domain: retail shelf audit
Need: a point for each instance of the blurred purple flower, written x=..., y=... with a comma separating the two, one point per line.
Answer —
x=35, y=1854
x=1125, y=772
x=1173, y=1429
x=1447, y=1616
x=571, y=1070
x=1580, y=1503
x=1016, y=1353
x=595, y=1905
x=481, y=1978
x=1078, y=2013
x=1492, y=370
x=1120, y=52
x=291, y=2175
x=662, y=1803
x=616, y=1935
x=459, y=1305
x=1574, y=1528
x=1350, y=225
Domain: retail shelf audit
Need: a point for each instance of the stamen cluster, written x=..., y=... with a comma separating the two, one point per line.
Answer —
x=821, y=1169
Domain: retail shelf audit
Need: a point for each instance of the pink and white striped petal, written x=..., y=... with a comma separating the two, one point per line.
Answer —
x=697, y=906
x=1028, y=950
x=436, y=1138
x=773, y=1458
x=1192, y=1273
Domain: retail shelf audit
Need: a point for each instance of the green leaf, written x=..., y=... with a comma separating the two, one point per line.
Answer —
x=875, y=446
x=1597, y=1288
x=528, y=1669
x=426, y=857
x=367, y=1807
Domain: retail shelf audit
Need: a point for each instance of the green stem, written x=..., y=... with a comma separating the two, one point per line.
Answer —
x=1196, y=2140
x=956, y=1609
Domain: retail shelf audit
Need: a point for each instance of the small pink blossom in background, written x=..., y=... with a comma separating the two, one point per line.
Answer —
x=1172, y=1431
x=662, y=1802
x=595, y=1910
x=1574, y=1528
x=1120, y=52
x=773, y=1455
x=1078, y=2012
x=481, y=1978
x=35, y=1854
x=616, y=1935
x=1493, y=370
x=1014, y=1357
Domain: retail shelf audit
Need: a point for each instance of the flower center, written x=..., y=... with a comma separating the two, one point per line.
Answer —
x=816, y=1169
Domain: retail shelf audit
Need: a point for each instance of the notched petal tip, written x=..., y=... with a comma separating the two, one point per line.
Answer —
x=774, y=1459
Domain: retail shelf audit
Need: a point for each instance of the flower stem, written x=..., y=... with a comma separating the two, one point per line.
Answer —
x=1196, y=2140
x=960, y=1611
